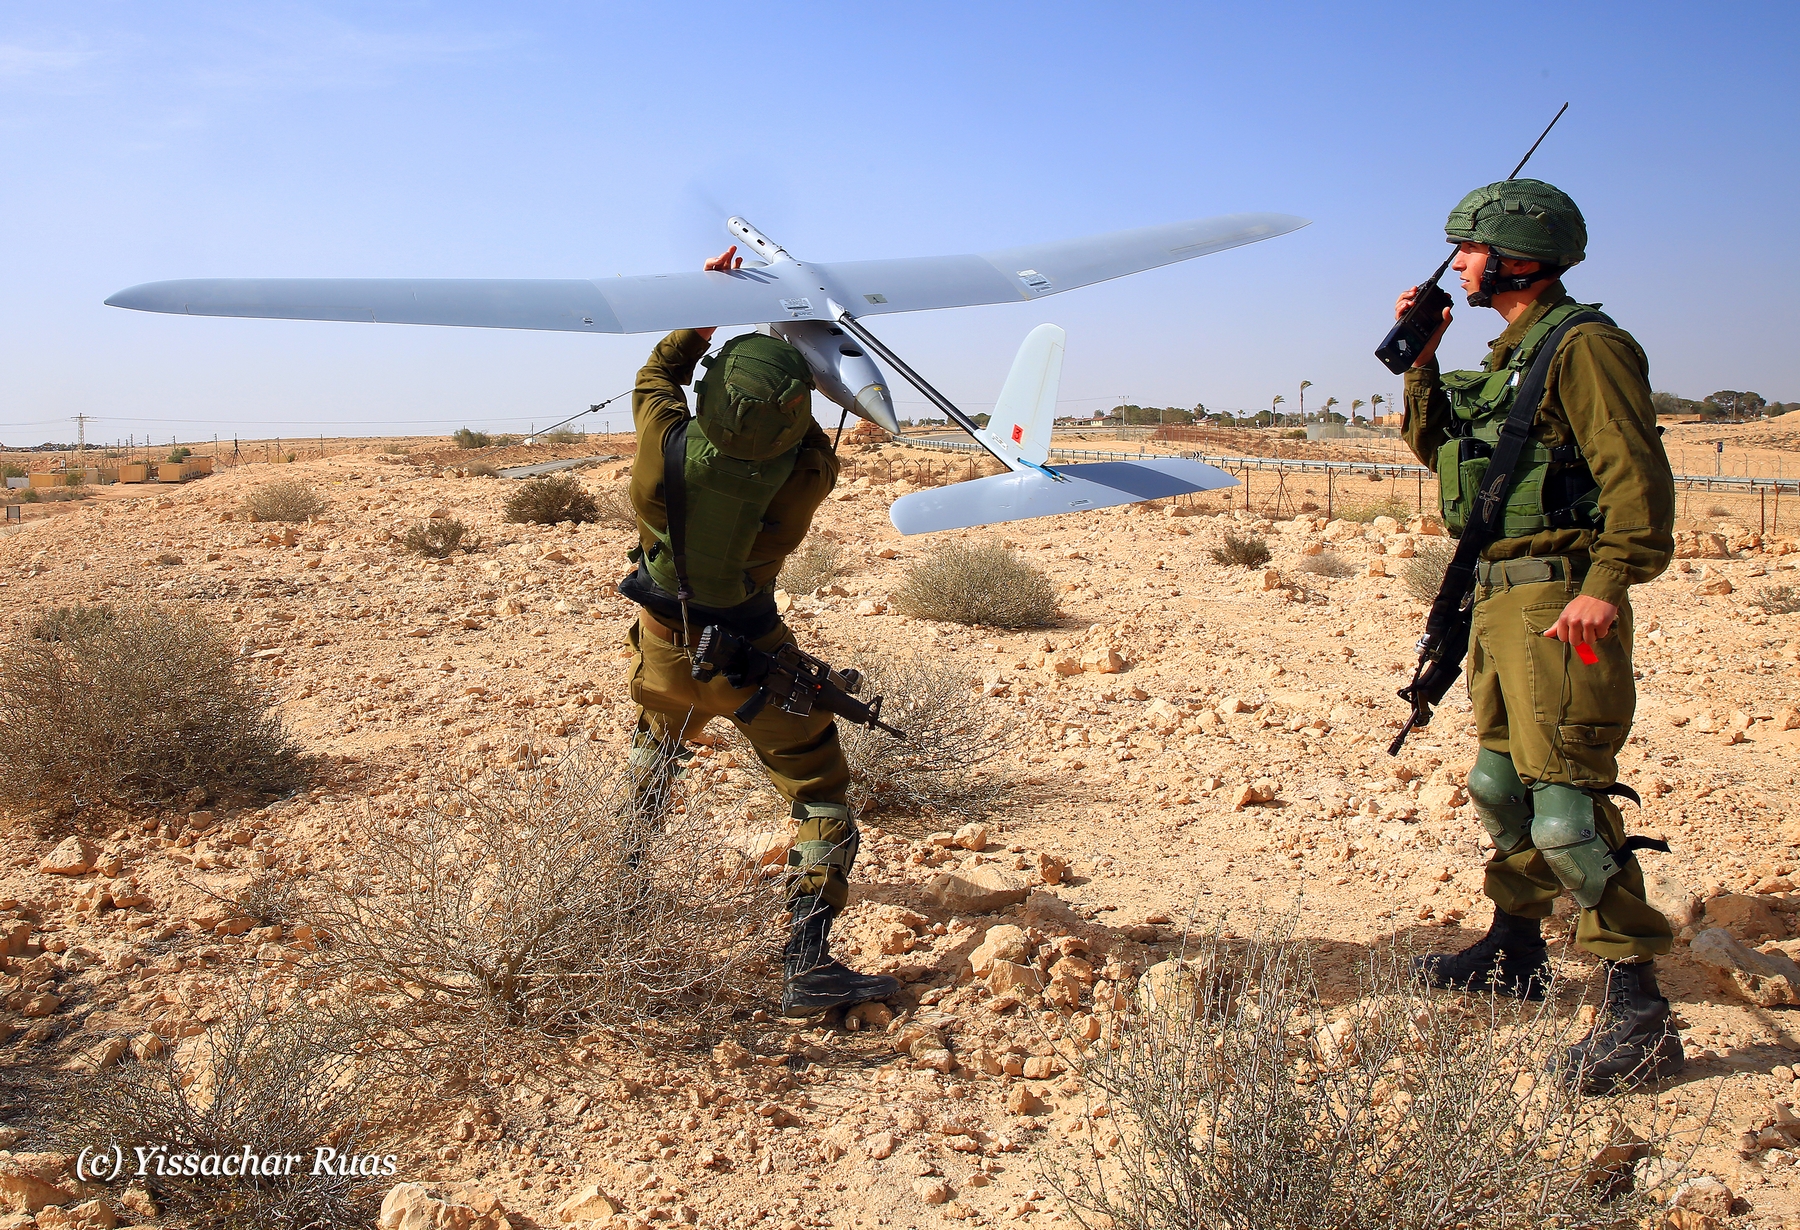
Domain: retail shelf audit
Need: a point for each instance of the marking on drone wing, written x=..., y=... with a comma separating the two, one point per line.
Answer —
x=798, y=307
x=876, y=298
x=1018, y=433
x=1034, y=279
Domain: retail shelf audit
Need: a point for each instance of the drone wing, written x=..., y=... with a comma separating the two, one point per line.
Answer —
x=1024, y=494
x=785, y=290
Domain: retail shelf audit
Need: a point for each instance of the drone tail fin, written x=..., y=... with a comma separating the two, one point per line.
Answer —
x=1023, y=418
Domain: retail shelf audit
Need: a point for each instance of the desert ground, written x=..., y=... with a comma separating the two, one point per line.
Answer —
x=1189, y=741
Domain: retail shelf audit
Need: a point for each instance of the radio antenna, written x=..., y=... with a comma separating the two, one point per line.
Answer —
x=1538, y=142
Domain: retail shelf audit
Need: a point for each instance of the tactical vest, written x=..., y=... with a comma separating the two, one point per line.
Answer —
x=1552, y=488
x=726, y=501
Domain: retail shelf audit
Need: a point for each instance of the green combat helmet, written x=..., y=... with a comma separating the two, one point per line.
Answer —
x=755, y=399
x=1525, y=219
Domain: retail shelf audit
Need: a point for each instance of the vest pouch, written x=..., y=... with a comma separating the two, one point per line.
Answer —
x=1462, y=465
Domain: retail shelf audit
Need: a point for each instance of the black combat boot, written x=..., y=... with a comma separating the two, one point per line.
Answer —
x=1633, y=1040
x=814, y=981
x=1509, y=960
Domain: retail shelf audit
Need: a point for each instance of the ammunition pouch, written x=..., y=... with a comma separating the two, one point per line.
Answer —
x=1568, y=836
x=1501, y=800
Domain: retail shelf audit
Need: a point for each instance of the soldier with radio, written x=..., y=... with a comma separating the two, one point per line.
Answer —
x=1586, y=512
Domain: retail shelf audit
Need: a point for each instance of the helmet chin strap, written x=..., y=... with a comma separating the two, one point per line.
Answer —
x=1493, y=282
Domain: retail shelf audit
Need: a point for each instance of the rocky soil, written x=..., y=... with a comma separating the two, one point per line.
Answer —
x=1191, y=741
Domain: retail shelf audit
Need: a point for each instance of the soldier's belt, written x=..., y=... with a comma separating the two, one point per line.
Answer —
x=1528, y=570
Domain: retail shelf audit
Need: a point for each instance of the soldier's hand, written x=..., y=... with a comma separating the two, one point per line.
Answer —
x=1584, y=621
x=724, y=262
x=1404, y=302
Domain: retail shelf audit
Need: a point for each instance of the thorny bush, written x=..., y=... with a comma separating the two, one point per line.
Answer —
x=985, y=584
x=283, y=500
x=550, y=500
x=1236, y=1097
x=817, y=561
x=950, y=737
x=1387, y=506
x=269, y=1076
x=540, y=900
x=1242, y=550
x=437, y=537
x=138, y=705
x=1776, y=599
x=612, y=508
x=1327, y=564
x=1423, y=574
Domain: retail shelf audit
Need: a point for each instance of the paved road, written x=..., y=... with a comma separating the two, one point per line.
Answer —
x=551, y=467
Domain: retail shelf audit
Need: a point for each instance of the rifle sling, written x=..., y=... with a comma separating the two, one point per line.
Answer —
x=1486, y=525
x=675, y=502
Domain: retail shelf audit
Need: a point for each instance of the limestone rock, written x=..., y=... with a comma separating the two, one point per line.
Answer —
x=1170, y=987
x=1260, y=791
x=880, y=1145
x=932, y=1191
x=73, y=857
x=1020, y=1100
x=729, y=1054
x=1002, y=943
x=29, y=1181
x=1052, y=868
x=1701, y=545
x=1011, y=978
x=88, y=1215
x=978, y=890
x=588, y=1204
x=1442, y=796
x=1748, y=918
x=1765, y=979
x=1679, y=903
x=1714, y=587
x=1706, y=1195
x=972, y=837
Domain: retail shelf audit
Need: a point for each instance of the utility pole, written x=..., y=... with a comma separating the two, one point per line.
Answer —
x=81, y=422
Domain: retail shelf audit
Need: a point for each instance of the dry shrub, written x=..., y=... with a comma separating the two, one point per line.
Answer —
x=266, y=1076
x=985, y=584
x=483, y=471
x=1718, y=511
x=1388, y=506
x=283, y=500
x=550, y=500
x=1423, y=574
x=68, y=623
x=1239, y=1098
x=1776, y=599
x=437, y=537
x=818, y=560
x=1242, y=550
x=464, y=437
x=612, y=508
x=131, y=706
x=1328, y=564
x=535, y=901
x=950, y=735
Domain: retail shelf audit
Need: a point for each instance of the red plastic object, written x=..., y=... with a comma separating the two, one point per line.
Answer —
x=1586, y=653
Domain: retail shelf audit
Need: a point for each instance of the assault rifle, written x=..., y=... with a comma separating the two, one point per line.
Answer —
x=791, y=679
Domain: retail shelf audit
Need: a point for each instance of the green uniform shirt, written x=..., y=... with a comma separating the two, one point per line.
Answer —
x=1597, y=397
x=659, y=402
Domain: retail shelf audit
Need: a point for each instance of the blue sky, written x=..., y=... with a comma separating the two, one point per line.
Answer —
x=147, y=141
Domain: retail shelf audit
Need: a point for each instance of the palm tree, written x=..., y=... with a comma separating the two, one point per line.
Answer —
x=1278, y=400
x=1376, y=401
x=1304, y=385
x=1329, y=403
x=1355, y=405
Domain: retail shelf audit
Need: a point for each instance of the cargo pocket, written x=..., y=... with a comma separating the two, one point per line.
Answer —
x=1590, y=706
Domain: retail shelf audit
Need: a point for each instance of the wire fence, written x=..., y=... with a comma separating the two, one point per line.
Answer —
x=1289, y=486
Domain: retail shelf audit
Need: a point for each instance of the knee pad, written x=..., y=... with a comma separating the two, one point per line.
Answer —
x=1568, y=836
x=805, y=856
x=1501, y=800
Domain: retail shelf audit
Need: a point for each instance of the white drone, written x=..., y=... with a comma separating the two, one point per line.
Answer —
x=805, y=304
